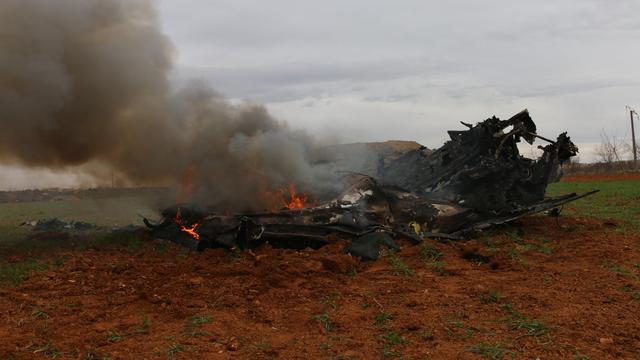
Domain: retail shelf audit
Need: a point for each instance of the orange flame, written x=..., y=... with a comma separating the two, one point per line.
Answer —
x=189, y=230
x=286, y=198
x=296, y=201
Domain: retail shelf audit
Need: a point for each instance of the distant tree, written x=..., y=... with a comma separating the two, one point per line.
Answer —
x=610, y=148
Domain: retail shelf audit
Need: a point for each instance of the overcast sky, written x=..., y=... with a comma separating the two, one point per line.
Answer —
x=376, y=70
x=371, y=70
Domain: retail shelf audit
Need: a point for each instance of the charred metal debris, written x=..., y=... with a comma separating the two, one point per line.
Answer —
x=477, y=179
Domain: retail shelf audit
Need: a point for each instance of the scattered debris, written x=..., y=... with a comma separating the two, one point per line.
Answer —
x=55, y=224
x=475, y=180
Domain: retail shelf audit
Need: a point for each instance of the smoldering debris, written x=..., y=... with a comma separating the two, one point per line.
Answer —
x=475, y=180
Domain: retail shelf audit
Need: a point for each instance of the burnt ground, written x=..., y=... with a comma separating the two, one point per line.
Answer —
x=542, y=288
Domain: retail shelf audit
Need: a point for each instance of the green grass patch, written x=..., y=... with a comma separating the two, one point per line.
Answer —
x=544, y=249
x=515, y=236
x=431, y=255
x=438, y=267
x=38, y=313
x=495, y=351
x=616, y=199
x=47, y=350
x=325, y=321
x=198, y=321
x=330, y=301
x=382, y=318
x=92, y=355
x=390, y=339
x=194, y=325
x=398, y=267
x=13, y=274
x=507, y=307
x=532, y=327
x=174, y=349
x=103, y=211
x=491, y=296
x=144, y=327
x=114, y=336
x=635, y=294
x=107, y=211
x=620, y=270
x=429, y=252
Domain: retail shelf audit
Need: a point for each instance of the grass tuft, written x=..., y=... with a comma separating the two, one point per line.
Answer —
x=495, y=351
x=493, y=296
x=47, y=350
x=198, y=321
x=533, y=327
x=438, y=267
x=325, y=320
x=175, y=349
x=13, y=274
x=620, y=270
x=383, y=318
x=398, y=267
x=195, y=323
x=389, y=339
x=429, y=252
x=144, y=328
x=38, y=313
x=114, y=336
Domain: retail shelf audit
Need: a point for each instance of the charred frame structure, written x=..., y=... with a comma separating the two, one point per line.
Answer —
x=475, y=180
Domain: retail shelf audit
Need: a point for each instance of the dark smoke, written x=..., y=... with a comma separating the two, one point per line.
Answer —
x=86, y=81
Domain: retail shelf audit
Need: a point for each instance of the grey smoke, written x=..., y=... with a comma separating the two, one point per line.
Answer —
x=86, y=81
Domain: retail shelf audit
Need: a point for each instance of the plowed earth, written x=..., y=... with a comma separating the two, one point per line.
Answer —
x=542, y=288
x=602, y=177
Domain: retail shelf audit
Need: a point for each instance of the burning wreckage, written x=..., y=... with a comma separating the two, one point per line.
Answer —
x=475, y=180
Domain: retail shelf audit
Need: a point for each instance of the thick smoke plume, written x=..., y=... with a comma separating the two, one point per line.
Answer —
x=86, y=81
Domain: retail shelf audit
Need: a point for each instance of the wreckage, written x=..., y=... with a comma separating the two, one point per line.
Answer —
x=475, y=180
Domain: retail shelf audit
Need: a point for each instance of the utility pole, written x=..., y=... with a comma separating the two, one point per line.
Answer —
x=633, y=137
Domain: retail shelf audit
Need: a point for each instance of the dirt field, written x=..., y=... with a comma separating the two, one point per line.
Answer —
x=603, y=177
x=547, y=288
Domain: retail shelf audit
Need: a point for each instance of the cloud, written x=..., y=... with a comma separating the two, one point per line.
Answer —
x=296, y=80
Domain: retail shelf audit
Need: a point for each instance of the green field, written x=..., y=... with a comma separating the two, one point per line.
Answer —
x=619, y=200
x=115, y=211
x=108, y=212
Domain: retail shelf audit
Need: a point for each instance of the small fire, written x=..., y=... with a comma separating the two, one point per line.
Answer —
x=189, y=230
x=286, y=198
x=296, y=201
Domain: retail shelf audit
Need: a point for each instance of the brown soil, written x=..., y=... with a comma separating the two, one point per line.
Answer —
x=602, y=177
x=578, y=279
